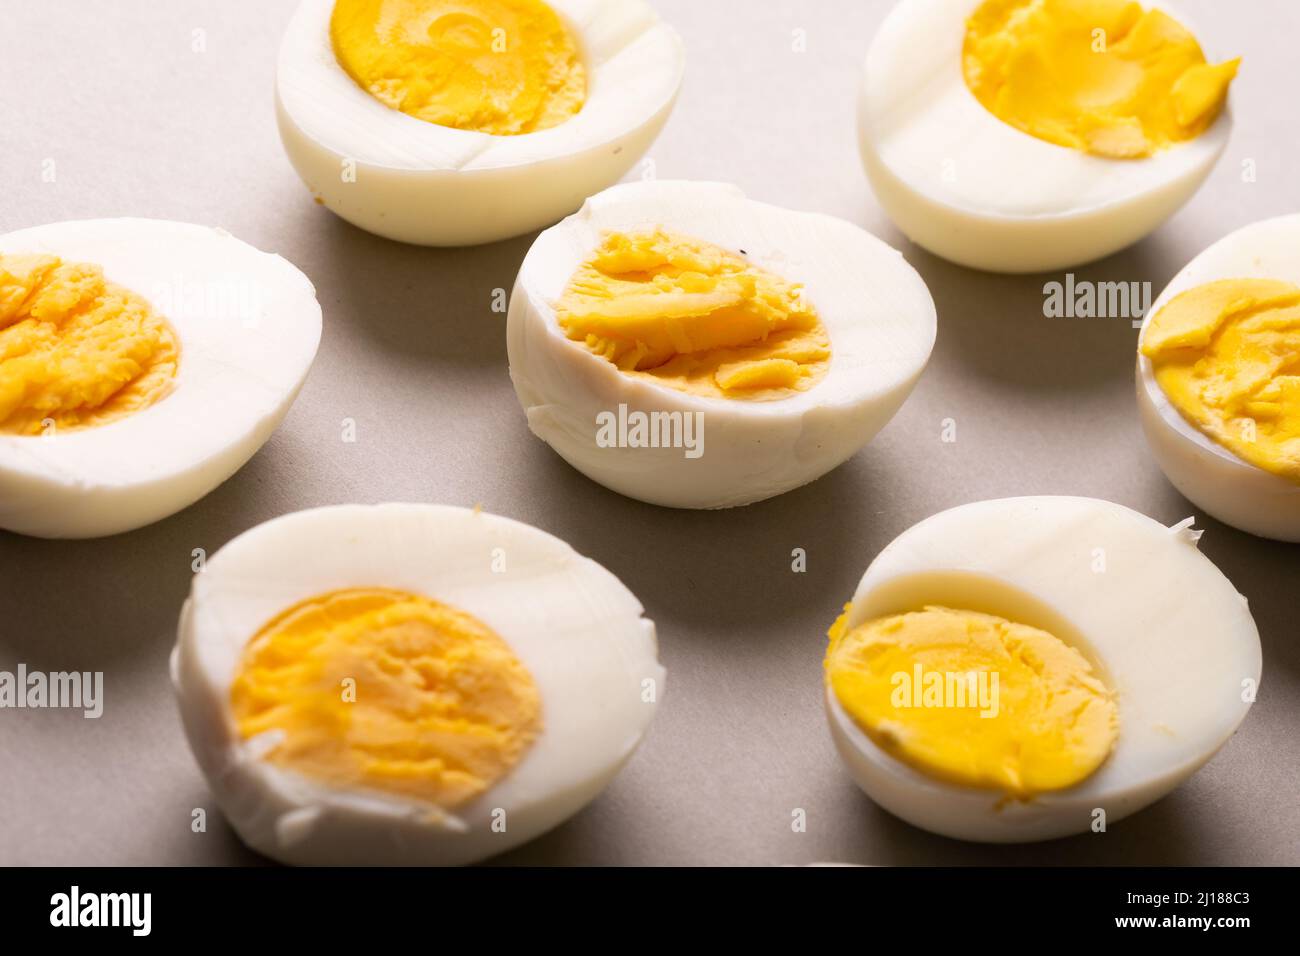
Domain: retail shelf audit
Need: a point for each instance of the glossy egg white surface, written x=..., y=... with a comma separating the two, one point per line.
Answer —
x=1159, y=622
x=979, y=192
x=248, y=324
x=414, y=181
x=577, y=629
x=1208, y=474
x=876, y=308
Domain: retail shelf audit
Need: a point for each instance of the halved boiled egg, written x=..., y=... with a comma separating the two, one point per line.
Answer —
x=142, y=362
x=1030, y=135
x=1029, y=668
x=455, y=122
x=408, y=683
x=689, y=347
x=1218, y=379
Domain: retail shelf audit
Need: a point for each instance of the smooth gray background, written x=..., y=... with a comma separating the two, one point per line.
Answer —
x=139, y=124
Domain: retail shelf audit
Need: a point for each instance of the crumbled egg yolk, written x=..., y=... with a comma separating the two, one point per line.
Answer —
x=974, y=699
x=382, y=689
x=1103, y=76
x=1227, y=355
x=76, y=350
x=502, y=67
x=695, y=317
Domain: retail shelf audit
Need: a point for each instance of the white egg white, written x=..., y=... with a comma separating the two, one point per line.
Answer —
x=577, y=629
x=1208, y=474
x=979, y=192
x=414, y=181
x=876, y=309
x=248, y=325
x=1165, y=629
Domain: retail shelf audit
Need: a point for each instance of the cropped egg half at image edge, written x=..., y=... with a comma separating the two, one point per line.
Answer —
x=1028, y=136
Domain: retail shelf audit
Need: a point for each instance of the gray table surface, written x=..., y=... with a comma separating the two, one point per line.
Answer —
x=139, y=124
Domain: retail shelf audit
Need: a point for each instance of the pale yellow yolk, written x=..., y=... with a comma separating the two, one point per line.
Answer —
x=386, y=690
x=76, y=350
x=1102, y=76
x=692, y=316
x=1227, y=355
x=495, y=66
x=973, y=699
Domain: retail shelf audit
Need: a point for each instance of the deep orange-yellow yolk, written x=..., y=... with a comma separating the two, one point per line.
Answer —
x=974, y=699
x=1103, y=76
x=76, y=350
x=371, y=688
x=1227, y=355
x=692, y=316
x=494, y=66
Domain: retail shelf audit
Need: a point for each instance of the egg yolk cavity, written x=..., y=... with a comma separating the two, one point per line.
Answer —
x=75, y=349
x=370, y=688
x=1227, y=356
x=973, y=699
x=692, y=316
x=1103, y=76
x=502, y=67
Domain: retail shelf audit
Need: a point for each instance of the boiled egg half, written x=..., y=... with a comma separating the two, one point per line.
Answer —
x=687, y=346
x=1219, y=379
x=408, y=683
x=1031, y=135
x=455, y=122
x=1030, y=668
x=142, y=363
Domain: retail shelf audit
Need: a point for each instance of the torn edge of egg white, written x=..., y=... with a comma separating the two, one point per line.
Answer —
x=1187, y=532
x=296, y=825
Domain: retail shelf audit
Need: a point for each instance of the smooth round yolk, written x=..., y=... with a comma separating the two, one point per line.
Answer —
x=502, y=67
x=974, y=699
x=76, y=350
x=695, y=317
x=1227, y=355
x=1103, y=76
x=370, y=688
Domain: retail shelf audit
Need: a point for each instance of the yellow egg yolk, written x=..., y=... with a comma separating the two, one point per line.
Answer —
x=1103, y=76
x=1227, y=355
x=974, y=699
x=502, y=67
x=694, y=317
x=75, y=349
x=381, y=689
